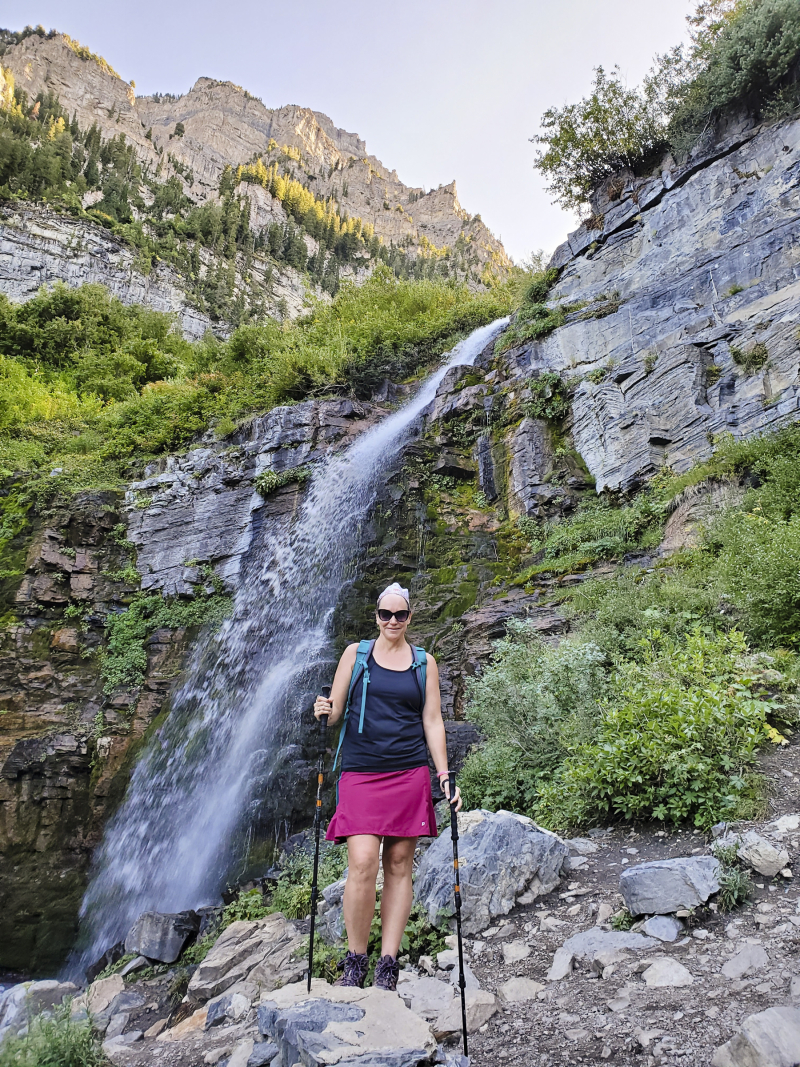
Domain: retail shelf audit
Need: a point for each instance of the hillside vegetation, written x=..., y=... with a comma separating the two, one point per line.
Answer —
x=675, y=674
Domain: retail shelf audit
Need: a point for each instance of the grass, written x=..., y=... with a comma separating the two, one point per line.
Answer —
x=54, y=1040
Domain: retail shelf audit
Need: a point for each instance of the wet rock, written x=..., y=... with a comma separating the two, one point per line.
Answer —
x=664, y=886
x=667, y=973
x=502, y=856
x=138, y=963
x=341, y=1024
x=769, y=1038
x=663, y=927
x=748, y=959
x=116, y=952
x=264, y=952
x=160, y=936
x=757, y=852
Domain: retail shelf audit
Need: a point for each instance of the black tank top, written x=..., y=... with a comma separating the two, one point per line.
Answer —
x=392, y=738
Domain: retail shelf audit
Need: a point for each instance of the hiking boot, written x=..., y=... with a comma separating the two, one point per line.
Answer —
x=355, y=966
x=386, y=971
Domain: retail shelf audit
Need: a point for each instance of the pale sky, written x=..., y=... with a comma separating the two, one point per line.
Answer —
x=438, y=89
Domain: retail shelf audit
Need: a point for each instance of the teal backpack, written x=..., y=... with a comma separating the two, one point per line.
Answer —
x=361, y=670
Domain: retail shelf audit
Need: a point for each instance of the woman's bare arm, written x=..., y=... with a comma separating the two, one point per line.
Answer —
x=433, y=725
x=341, y=684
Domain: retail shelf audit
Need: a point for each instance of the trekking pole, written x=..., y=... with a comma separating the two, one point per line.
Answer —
x=323, y=722
x=457, y=892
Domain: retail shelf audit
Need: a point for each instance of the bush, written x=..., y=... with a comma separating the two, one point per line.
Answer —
x=759, y=566
x=613, y=128
x=676, y=741
x=531, y=702
x=54, y=1041
x=743, y=54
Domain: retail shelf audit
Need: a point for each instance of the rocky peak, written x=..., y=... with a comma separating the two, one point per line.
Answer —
x=218, y=124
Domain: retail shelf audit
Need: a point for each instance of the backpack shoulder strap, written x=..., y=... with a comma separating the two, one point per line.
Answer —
x=360, y=669
x=420, y=669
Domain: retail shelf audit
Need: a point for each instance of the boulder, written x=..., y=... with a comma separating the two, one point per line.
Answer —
x=757, y=852
x=229, y=1006
x=161, y=937
x=481, y=1005
x=426, y=997
x=264, y=1052
x=748, y=959
x=264, y=952
x=663, y=927
x=667, y=972
x=519, y=990
x=514, y=951
x=339, y=1025
x=664, y=886
x=770, y=1038
x=501, y=856
x=20, y=1001
x=594, y=943
x=111, y=955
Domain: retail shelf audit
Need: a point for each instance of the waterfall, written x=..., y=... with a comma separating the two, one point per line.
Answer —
x=168, y=847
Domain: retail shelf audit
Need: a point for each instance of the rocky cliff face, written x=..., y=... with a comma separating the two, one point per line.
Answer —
x=40, y=247
x=223, y=125
x=686, y=304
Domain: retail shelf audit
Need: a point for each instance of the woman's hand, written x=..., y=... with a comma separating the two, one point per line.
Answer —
x=445, y=784
x=322, y=707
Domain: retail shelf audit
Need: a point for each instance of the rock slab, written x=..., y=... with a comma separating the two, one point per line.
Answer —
x=161, y=937
x=264, y=952
x=663, y=886
x=770, y=1038
x=501, y=856
x=341, y=1025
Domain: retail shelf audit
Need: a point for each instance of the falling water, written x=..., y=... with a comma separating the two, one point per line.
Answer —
x=168, y=848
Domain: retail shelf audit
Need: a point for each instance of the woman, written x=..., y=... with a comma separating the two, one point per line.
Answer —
x=385, y=789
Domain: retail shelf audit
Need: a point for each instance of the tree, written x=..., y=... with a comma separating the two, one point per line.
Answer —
x=614, y=127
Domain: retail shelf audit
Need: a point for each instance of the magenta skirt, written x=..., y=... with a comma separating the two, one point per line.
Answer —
x=393, y=804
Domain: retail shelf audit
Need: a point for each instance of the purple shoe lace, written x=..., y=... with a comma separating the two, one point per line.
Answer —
x=355, y=966
x=386, y=971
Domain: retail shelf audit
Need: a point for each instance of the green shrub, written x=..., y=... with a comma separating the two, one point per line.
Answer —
x=742, y=55
x=549, y=397
x=268, y=481
x=753, y=360
x=759, y=566
x=676, y=742
x=585, y=143
x=124, y=659
x=529, y=703
x=54, y=1041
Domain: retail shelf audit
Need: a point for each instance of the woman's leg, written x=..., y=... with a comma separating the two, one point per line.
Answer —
x=363, y=854
x=398, y=858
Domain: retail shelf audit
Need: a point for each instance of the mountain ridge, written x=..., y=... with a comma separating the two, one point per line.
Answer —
x=218, y=124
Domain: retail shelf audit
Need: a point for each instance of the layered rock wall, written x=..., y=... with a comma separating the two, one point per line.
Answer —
x=692, y=281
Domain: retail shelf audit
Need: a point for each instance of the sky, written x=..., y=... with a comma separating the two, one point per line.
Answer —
x=438, y=89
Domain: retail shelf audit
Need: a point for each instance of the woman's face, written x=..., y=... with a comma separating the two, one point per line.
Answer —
x=393, y=629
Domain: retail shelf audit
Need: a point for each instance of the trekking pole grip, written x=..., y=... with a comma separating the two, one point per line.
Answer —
x=323, y=719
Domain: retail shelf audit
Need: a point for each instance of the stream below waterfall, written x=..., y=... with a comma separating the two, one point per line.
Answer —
x=193, y=793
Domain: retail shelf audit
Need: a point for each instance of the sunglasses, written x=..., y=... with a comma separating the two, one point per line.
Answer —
x=386, y=616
